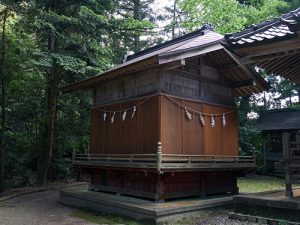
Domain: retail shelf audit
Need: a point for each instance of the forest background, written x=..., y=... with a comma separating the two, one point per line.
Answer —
x=46, y=44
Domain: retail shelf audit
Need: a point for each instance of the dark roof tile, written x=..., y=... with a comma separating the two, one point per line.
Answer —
x=279, y=119
x=279, y=27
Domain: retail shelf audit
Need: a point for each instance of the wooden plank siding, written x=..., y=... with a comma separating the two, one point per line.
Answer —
x=133, y=136
x=181, y=136
x=220, y=140
x=140, y=134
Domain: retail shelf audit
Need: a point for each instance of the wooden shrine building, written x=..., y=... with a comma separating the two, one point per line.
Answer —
x=164, y=122
x=272, y=124
x=274, y=46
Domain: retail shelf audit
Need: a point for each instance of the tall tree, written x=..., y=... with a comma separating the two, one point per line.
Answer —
x=71, y=37
x=137, y=20
x=5, y=14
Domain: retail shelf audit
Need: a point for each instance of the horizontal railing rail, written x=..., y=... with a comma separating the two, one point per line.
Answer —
x=164, y=161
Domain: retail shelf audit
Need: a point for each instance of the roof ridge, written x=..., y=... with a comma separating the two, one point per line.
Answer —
x=182, y=39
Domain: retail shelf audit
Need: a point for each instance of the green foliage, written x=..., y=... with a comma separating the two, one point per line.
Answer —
x=90, y=37
x=228, y=15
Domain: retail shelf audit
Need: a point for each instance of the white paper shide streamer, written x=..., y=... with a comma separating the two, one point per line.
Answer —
x=188, y=114
x=213, y=122
x=133, y=112
x=202, y=120
x=124, y=115
x=104, y=116
x=112, y=119
x=223, y=120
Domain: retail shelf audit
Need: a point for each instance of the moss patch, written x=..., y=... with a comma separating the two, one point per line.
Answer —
x=252, y=184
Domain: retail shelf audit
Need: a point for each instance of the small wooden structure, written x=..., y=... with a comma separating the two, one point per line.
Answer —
x=273, y=46
x=164, y=122
x=272, y=124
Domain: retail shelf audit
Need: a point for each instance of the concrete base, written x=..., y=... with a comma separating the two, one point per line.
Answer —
x=272, y=205
x=139, y=209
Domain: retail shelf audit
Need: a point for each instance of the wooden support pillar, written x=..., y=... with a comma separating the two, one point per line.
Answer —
x=235, y=190
x=265, y=153
x=286, y=163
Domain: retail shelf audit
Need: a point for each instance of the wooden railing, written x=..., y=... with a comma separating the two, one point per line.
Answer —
x=161, y=161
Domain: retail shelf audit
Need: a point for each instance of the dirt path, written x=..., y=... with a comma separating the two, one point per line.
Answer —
x=39, y=208
x=42, y=208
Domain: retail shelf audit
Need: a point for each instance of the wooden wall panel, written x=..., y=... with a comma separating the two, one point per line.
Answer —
x=171, y=127
x=148, y=126
x=134, y=135
x=230, y=135
x=112, y=132
x=97, y=132
x=183, y=136
x=129, y=131
x=220, y=140
x=179, y=135
x=212, y=136
x=192, y=131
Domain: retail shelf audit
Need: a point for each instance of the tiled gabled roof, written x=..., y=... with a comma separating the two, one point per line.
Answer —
x=268, y=31
x=198, y=38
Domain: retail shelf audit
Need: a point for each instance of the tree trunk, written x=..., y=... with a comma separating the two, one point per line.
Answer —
x=136, y=16
x=3, y=103
x=53, y=87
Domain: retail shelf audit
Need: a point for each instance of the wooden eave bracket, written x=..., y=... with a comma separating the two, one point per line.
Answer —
x=244, y=84
x=110, y=74
x=257, y=78
x=268, y=55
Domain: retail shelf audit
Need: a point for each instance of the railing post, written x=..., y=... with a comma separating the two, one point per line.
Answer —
x=159, y=156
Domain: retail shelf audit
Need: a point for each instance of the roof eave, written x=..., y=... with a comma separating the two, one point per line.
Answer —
x=109, y=74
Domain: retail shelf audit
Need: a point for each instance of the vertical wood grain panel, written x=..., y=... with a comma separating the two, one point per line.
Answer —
x=192, y=131
x=212, y=136
x=172, y=122
x=230, y=135
x=148, y=126
x=128, y=130
x=133, y=135
x=220, y=140
x=112, y=131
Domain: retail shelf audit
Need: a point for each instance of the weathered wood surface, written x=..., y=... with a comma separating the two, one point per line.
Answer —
x=133, y=135
x=160, y=186
x=165, y=161
x=159, y=119
x=194, y=80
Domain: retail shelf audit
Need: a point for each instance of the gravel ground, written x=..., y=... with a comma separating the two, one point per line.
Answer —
x=38, y=208
x=41, y=208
